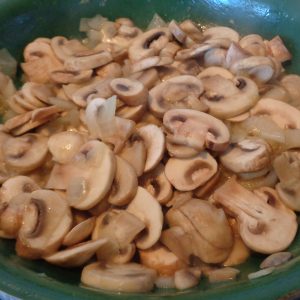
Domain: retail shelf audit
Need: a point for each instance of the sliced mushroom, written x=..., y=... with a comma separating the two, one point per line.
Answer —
x=134, y=113
x=127, y=278
x=215, y=57
x=227, y=98
x=177, y=92
x=154, y=141
x=213, y=71
x=149, y=43
x=77, y=255
x=266, y=225
x=67, y=76
x=160, y=259
x=170, y=50
x=221, y=32
x=194, y=172
x=87, y=60
x=223, y=274
x=291, y=84
x=111, y=70
x=276, y=259
x=46, y=220
x=249, y=155
x=93, y=163
x=185, y=279
x=207, y=227
x=179, y=34
x=192, y=30
x=131, y=92
x=149, y=211
x=147, y=77
x=25, y=153
x=234, y=54
x=157, y=184
x=124, y=186
x=196, y=129
x=180, y=151
x=79, y=232
x=188, y=67
x=151, y=62
x=64, y=145
x=279, y=50
x=287, y=166
x=134, y=152
x=124, y=256
x=283, y=114
x=254, y=44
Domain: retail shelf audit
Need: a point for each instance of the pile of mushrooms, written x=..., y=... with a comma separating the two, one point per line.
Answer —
x=151, y=158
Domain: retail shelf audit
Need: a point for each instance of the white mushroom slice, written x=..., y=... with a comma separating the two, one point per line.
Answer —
x=148, y=77
x=135, y=153
x=97, y=89
x=177, y=32
x=79, y=232
x=249, y=155
x=194, y=51
x=25, y=153
x=124, y=185
x=291, y=83
x=87, y=60
x=46, y=220
x=287, y=168
x=177, y=92
x=213, y=71
x=207, y=228
x=131, y=92
x=254, y=44
x=180, y=151
x=127, y=278
x=94, y=163
x=119, y=226
x=196, y=129
x=111, y=70
x=16, y=185
x=206, y=189
x=266, y=225
x=170, y=50
x=260, y=68
x=124, y=256
x=11, y=215
x=150, y=62
x=279, y=50
x=154, y=141
x=149, y=43
x=146, y=208
x=134, y=113
x=162, y=260
x=67, y=76
x=227, y=98
x=64, y=145
x=77, y=255
x=215, y=57
x=283, y=114
x=184, y=279
x=192, y=30
x=239, y=118
x=222, y=32
x=157, y=184
x=194, y=172
x=188, y=67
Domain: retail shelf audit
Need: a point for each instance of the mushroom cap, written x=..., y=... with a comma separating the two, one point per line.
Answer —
x=149, y=211
x=47, y=219
x=25, y=153
x=177, y=92
x=228, y=98
x=249, y=155
x=154, y=141
x=196, y=129
x=283, y=114
x=266, y=225
x=194, y=172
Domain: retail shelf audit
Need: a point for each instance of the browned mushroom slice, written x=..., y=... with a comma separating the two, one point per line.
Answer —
x=222, y=32
x=130, y=91
x=194, y=172
x=177, y=92
x=254, y=44
x=134, y=152
x=180, y=151
x=196, y=129
x=287, y=169
x=66, y=76
x=127, y=278
x=208, y=229
x=279, y=50
x=228, y=98
x=25, y=153
x=125, y=184
x=111, y=70
x=87, y=60
x=148, y=77
x=77, y=255
x=150, y=62
x=249, y=155
x=179, y=34
x=157, y=184
x=283, y=114
x=46, y=220
x=154, y=141
x=162, y=260
x=266, y=225
x=149, y=43
x=149, y=211
x=79, y=232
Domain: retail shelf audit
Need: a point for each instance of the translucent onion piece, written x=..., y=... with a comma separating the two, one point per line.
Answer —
x=261, y=273
x=165, y=282
x=8, y=65
x=156, y=22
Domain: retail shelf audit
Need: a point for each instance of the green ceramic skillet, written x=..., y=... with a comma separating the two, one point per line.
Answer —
x=23, y=20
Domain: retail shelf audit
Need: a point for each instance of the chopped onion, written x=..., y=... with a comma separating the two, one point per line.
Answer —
x=261, y=273
x=8, y=65
x=165, y=282
x=7, y=87
x=156, y=22
x=91, y=23
x=83, y=25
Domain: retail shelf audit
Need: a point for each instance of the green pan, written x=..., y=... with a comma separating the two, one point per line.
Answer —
x=23, y=20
